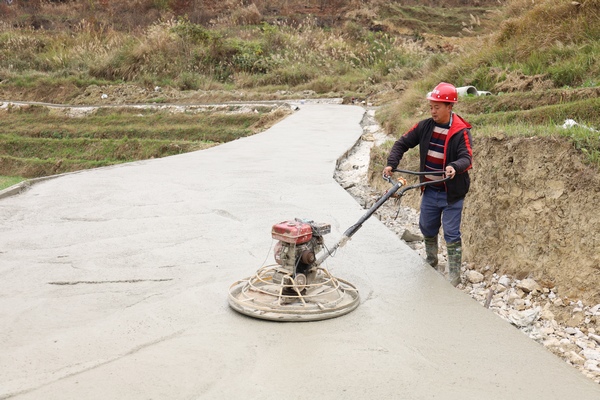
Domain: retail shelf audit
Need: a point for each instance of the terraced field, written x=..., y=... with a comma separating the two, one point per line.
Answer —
x=39, y=141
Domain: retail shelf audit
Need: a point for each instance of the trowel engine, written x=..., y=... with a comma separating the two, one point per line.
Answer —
x=299, y=242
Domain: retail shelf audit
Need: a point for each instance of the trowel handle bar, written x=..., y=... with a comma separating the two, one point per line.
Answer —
x=418, y=185
x=418, y=172
x=354, y=228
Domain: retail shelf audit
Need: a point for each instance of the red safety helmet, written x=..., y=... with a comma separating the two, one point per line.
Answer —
x=443, y=92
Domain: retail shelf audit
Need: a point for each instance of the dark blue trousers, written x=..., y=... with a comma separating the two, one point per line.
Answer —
x=436, y=213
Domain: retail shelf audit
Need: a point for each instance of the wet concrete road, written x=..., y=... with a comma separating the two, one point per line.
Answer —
x=114, y=283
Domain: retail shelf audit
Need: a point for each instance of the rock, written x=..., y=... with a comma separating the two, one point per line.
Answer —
x=474, y=276
x=529, y=285
x=575, y=358
x=368, y=137
x=583, y=344
x=523, y=318
x=512, y=296
x=558, y=302
x=547, y=331
x=554, y=189
x=591, y=354
x=576, y=320
x=504, y=281
x=519, y=304
x=595, y=338
x=552, y=342
x=547, y=314
x=592, y=365
x=408, y=236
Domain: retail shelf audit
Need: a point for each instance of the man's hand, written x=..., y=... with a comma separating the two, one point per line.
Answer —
x=450, y=172
x=387, y=171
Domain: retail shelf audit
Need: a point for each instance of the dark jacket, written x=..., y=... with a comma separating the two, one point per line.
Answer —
x=458, y=152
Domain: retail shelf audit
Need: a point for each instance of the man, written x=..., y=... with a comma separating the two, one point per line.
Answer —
x=445, y=144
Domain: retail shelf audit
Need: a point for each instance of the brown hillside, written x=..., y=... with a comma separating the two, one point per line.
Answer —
x=135, y=14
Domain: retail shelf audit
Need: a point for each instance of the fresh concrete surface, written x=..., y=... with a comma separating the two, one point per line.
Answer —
x=114, y=283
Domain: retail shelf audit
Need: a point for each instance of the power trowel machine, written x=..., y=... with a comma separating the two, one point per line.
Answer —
x=297, y=287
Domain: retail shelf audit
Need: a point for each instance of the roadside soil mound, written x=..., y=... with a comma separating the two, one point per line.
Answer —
x=532, y=212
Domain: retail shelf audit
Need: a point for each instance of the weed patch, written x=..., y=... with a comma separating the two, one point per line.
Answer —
x=8, y=181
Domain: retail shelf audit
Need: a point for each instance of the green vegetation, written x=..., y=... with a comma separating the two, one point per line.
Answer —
x=244, y=48
x=68, y=52
x=186, y=56
x=542, y=65
x=38, y=141
x=540, y=59
x=8, y=181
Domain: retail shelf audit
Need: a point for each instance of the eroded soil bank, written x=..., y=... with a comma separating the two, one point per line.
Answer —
x=532, y=212
x=529, y=232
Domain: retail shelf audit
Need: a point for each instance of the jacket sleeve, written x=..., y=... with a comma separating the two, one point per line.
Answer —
x=464, y=153
x=407, y=141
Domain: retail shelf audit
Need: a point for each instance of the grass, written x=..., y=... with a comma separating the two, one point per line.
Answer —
x=242, y=51
x=542, y=65
x=518, y=114
x=8, y=181
x=37, y=141
x=301, y=54
x=41, y=123
x=583, y=111
x=540, y=60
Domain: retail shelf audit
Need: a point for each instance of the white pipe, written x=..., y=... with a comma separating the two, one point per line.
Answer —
x=465, y=90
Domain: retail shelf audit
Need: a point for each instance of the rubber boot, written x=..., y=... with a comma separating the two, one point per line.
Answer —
x=454, y=262
x=431, y=249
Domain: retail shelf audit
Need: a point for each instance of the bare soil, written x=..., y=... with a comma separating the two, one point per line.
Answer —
x=532, y=212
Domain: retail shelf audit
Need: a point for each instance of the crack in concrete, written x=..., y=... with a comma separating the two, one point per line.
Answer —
x=71, y=283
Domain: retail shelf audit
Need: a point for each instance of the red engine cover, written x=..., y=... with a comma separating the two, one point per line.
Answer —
x=294, y=232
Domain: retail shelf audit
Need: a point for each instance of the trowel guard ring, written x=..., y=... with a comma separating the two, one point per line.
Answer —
x=265, y=296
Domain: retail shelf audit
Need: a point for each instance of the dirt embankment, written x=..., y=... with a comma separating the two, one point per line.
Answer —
x=532, y=212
